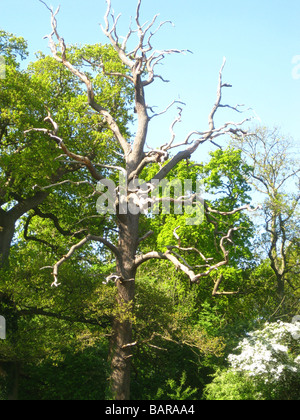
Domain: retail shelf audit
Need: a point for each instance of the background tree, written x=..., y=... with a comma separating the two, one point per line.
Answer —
x=25, y=96
x=275, y=176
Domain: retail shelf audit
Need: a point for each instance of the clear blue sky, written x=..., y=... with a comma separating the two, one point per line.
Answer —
x=258, y=37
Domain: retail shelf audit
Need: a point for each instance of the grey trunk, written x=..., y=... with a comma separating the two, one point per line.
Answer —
x=121, y=350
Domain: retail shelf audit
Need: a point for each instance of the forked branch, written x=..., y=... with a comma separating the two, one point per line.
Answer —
x=77, y=246
x=62, y=58
x=83, y=160
x=181, y=264
x=195, y=138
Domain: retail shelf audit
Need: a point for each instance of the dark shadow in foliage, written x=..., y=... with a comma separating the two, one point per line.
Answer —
x=80, y=376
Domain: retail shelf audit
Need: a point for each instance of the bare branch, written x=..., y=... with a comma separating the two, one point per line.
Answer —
x=216, y=288
x=84, y=78
x=173, y=135
x=184, y=266
x=108, y=32
x=169, y=255
x=209, y=135
x=190, y=249
x=228, y=213
x=141, y=259
x=177, y=236
x=143, y=238
x=78, y=158
x=139, y=63
x=167, y=109
x=219, y=97
x=101, y=66
x=74, y=248
x=67, y=181
x=141, y=166
x=155, y=32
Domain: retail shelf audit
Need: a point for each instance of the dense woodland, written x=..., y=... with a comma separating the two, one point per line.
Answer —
x=185, y=330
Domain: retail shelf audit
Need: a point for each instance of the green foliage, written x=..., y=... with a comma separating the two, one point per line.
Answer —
x=224, y=177
x=58, y=336
x=12, y=47
x=173, y=391
x=171, y=340
x=232, y=386
x=76, y=376
x=24, y=97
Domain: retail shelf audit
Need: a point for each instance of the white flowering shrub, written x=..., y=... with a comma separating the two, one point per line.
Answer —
x=267, y=366
x=268, y=354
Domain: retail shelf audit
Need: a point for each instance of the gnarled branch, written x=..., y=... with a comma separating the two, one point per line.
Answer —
x=83, y=160
x=77, y=246
x=180, y=262
x=62, y=58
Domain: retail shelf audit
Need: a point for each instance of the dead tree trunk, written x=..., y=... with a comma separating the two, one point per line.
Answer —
x=139, y=67
x=120, y=349
x=121, y=343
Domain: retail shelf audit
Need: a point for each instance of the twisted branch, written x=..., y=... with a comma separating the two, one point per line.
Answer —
x=62, y=58
x=77, y=246
x=83, y=160
x=180, y=263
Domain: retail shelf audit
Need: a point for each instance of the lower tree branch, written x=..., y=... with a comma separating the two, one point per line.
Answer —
x=104, y=322
x=180, y=263
x=83, y=160
x=77, y=246
x=216, y=288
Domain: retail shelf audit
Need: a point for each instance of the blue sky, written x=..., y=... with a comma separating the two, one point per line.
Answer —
x=258, y=37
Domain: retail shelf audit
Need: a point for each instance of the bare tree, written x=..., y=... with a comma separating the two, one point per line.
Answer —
x=276, y=176
x=140, y=64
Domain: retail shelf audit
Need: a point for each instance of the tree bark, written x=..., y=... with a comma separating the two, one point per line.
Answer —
x=121, y=349
x=277, y=259
x=9, y=219
x=7, y=230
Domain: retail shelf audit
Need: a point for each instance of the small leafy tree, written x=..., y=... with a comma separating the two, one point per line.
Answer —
x=174, y=391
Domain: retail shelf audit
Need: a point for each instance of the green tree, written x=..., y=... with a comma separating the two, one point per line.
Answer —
x=25, y=97
x=26, y=201
x=12, y=48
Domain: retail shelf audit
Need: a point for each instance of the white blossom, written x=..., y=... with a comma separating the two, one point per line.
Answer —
x=265, y=354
